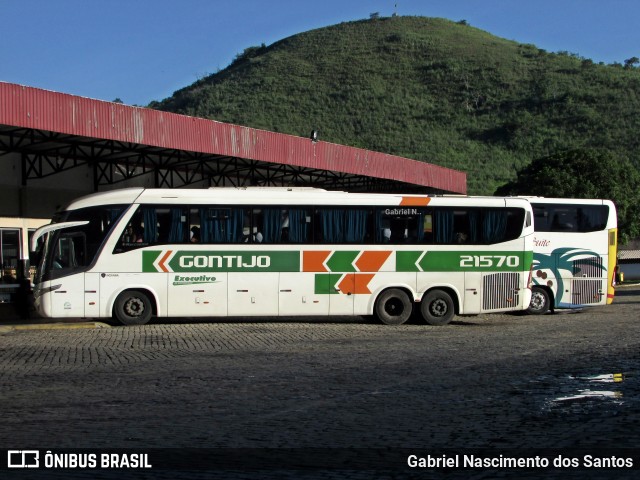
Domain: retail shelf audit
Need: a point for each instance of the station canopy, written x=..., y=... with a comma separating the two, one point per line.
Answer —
x=54, y=132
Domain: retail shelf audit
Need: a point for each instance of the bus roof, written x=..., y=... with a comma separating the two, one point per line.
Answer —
x=279, y=196
x=567, y=201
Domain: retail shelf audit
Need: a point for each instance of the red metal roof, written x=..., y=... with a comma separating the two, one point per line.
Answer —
x=34, y=108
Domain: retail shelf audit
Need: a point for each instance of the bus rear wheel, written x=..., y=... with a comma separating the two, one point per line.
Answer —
x=540, y=301
x=437, y=308
x=393, y=307
x=133, y=307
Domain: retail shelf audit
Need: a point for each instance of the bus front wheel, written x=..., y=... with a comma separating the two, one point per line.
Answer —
x=393, y=307
x=133, y=307
x=437, y=308
x=540, y=301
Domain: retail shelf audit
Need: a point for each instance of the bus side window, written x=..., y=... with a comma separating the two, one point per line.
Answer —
x=223, y=224
x=172, y=224
x=296, y=226
x=398, y=226
x=342, y=225
x=427, y=228
x=132, y=235
x=195, y=234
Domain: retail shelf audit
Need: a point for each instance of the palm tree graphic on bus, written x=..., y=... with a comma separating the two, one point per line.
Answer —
x=548, y=267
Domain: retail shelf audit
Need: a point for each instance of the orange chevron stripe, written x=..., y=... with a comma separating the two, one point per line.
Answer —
x=371, y=261
x=362, y=282
x=164, y=259
x=355, y=283
x=415, y=201
x=312, y=261
x=347, y=283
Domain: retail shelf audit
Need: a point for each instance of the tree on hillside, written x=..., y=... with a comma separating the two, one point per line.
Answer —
x=585, y=173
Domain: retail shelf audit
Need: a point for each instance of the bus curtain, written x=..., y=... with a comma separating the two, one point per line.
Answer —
x=473, y=226
x=150, y=219
x=176, y=232
x=494, y=226
x=297, y=225
x=114, y=214
x=272, y=225
x=274, y=222
x=340, y=226
x=443, y=226
x=221, y=226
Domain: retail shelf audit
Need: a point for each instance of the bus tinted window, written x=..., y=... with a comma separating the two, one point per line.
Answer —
x=447, y=225
x=569, y=218
x=224, y=225
x=281, y=225
x=342, y=225
x=472, y=226
x=152, y=225
x=398, y=225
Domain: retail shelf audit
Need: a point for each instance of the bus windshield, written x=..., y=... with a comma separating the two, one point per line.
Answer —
x=74, y=248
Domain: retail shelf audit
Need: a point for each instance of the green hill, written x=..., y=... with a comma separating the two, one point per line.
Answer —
x=429, y=89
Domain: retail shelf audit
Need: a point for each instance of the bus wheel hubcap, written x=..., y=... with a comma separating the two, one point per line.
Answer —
x=134, y=307
x=394, y=307
x=439, y=308
x=538, y=300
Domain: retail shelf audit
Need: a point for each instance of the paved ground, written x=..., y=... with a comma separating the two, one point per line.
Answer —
x=500, y=383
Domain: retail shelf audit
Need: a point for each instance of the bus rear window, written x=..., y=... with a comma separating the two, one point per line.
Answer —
x=569, y=218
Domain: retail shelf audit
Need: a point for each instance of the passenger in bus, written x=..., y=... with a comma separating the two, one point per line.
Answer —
x=194, y=235
x=127, y=237
x=256, y=237
x=461, y=237
x=138, y=235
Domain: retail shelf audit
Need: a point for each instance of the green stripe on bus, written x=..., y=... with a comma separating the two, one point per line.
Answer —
x=463, y=261
x=406, y=261
x=342, y=261
x=325, y=283
x=225, y=261
x=148, y=257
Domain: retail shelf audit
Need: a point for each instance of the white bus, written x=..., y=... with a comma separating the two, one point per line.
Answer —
x=135, y=253
x=574, y=257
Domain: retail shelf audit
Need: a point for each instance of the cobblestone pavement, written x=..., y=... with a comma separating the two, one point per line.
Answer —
x=490, y=382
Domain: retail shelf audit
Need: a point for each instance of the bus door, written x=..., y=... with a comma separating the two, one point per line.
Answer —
x=92, y=295
x=473, y=292
x=68, y=299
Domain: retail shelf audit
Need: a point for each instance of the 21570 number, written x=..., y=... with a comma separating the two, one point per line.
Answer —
x=489, y=261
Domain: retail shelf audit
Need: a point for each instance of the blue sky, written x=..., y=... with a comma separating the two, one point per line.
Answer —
x=144, y=50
